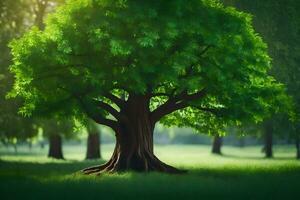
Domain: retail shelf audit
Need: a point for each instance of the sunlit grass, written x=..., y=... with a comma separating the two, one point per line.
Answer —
x=241, y=173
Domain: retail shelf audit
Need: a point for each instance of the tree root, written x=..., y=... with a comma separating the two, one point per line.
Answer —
x=112, y=166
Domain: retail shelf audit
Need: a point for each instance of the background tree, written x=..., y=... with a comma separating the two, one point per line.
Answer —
x=174, y=60
x=13, y=127
x=93, y=141
x=217, y=144
x=279, y=23
x=17, y=17
x=55, y=131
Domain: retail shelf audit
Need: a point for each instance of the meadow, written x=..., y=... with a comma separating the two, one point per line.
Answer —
x=241, y=173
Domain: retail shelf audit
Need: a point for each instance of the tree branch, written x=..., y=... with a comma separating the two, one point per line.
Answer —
x=158, y=94
x=175, y=103
x=109, y=109
x=205, y=50
x=213, y=111
x=97, y=118
x=118, y=101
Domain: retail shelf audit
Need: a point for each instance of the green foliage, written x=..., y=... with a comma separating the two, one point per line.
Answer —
x=60, y=127
x=279, y=23
x=16, y=17
x=12, y=24
x=92, y=47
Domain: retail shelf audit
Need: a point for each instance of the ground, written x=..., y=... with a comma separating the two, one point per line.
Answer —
x=242, y=173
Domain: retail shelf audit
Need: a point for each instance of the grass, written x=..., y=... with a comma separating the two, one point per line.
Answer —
x=239, y=174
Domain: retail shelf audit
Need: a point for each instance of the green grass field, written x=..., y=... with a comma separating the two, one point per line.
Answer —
x=242, y=173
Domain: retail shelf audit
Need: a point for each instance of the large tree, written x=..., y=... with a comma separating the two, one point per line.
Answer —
x=130, y=64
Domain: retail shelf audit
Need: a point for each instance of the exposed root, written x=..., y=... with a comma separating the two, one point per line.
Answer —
x=151, y=165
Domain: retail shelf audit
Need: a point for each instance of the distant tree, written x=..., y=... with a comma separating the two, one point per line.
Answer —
x=93, y=141
x=13, y=127
x=279, y=23
x=217, y=144
x=174, y=61
x=16, y=17
x=55, y=131
x=268, y=134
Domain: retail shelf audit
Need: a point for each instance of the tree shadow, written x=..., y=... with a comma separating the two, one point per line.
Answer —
x=256, y=157
x=56, y=180
x=49, y=168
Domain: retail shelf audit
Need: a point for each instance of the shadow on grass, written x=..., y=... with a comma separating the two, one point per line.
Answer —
x=255, y=157
x=28, y=180
x=51, y=168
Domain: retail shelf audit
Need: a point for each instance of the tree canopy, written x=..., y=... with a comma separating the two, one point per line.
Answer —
x=197, y=55
x=278, y=22
x=12, y=24
x=16, y=17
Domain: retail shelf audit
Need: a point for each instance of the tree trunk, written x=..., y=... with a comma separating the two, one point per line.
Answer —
x=30, y=146
x=93, y=146
x=134, y=142
x=217, y=144
x=55, y=147
x=268, y=147
x=298, y=147
x=15, y=148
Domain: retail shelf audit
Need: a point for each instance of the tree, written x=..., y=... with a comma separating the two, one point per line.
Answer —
x=268, y=130
x=217, y=144
x=172, y=61
x=55, y=130
x=16, y=17
x=13, y=128
x=93, y=141
x=279, y=23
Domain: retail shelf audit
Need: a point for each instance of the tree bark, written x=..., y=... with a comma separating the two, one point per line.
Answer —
x=217, y=144
x=298, y=147
x=268, y=147
x=55, y=147
x=93, y=146
x=134, y=142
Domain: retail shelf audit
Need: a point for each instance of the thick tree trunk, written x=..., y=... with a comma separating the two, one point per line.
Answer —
x=93, y=146
x=134, y=143
x=217, y=144
x=55, y=147
x=298, y=147
x=268, y=147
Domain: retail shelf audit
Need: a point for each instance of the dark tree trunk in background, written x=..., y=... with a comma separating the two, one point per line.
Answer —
x=30, y=145
x=134, y=142
x=40, y=11
x=55, y=147
x=217, y=144
x=268, y=147
x=42, y=145
x=298, y=147
x=15, y=148
x=93, y=146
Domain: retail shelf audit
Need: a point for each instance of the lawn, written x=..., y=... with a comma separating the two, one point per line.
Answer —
x=242, y=173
